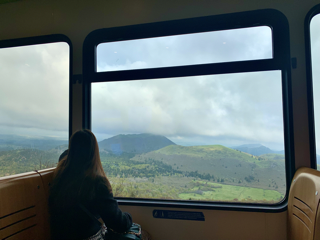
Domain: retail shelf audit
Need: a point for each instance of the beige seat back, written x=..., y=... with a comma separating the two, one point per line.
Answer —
x=23, y=207
x=46, y=178
x=303, y=205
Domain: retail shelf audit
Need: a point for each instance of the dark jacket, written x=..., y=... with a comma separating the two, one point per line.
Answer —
x=74, y=223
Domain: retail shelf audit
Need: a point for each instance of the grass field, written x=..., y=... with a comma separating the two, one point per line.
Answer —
x=177, y=188
x=222, y=192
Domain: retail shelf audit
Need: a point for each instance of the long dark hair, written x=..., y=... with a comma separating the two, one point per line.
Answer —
x=77, y=173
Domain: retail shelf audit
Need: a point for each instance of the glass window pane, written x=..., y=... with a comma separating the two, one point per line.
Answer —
x=188, y=49
x=315, y=50
x=209, y=138
x=34, y=106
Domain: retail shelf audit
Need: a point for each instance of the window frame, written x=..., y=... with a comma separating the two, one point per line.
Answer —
x=312, y=131
x=29, y=41
x=280, y=61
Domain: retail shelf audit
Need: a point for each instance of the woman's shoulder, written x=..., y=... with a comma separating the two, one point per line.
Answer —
x=102, y=185
x=100, y=180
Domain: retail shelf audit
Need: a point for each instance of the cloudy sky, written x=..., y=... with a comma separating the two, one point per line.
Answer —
x=211, y=47
x=315, y=52
x=34, y=90
x=228, y=109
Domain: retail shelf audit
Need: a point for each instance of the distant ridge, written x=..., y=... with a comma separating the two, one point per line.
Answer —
x=220, y=162
x=134, y=143
x=14, y=142
x=256, y=149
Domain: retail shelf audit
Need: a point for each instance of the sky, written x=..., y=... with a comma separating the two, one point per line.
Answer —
x=194, y=110
x=210, y=47
x=34, y=90
x=228, y=109
x=315, y=55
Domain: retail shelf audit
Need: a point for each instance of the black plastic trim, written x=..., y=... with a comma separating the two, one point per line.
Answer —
x=187, y=71
x=281, y=61
x=312, y=135
x=42, y=40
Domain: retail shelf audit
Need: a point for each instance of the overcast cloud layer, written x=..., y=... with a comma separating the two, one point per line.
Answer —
x=210, y=47
x=34, y=90
x=220, y=109
x=229, y=109
x=315, y=48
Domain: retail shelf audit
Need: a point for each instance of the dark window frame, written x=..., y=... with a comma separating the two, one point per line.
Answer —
x=312, y=134
x=280, y=61
x=20, y=42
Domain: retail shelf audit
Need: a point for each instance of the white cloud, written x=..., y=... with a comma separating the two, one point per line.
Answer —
x=209, y=47
x=34, y=89
x=229, y=109
x=226, y=109
x=243, y=105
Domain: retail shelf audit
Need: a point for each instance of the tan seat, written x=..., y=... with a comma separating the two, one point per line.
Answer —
x=46, y=178
x=303, y=205
x=23, y=205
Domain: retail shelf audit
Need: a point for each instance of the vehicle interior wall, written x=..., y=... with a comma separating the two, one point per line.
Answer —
x=76, y=19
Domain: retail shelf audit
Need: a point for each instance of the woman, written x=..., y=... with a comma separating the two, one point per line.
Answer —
x=81, y=192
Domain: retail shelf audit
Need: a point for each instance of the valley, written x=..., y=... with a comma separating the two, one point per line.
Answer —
x=152, y=166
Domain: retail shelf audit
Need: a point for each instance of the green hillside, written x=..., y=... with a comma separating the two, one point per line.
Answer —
x=273, y=156
x=211, y=151
x=221, y=164
x=25, y=160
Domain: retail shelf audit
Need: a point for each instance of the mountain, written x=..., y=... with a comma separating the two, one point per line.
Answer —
x=256, y=149
x=134, y=143
x=219, y=162
x=279, y=152
x=14, y=142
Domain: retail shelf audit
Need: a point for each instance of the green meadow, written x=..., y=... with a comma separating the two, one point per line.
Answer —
x=188, y=189
x=221, y=192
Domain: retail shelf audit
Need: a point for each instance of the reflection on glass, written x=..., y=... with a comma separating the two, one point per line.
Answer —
x=34, y=105
x=208, y=138
x=188, y=49
x=315, y=49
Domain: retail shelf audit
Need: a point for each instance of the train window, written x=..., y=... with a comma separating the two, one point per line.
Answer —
x=186, y=49
x=214, y=137
x=201, y=123
x=315, y=57
x=34, y=106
